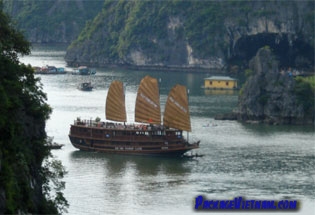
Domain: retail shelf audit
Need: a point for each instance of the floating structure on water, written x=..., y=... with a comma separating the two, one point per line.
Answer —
x=84, y=70
x=220, y=82
x=49, y=70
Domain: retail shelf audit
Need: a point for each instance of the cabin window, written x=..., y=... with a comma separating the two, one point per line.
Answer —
x=227, y=83
x=210, y=82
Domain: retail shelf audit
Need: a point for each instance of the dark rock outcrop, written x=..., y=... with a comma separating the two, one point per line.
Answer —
x=268, y=95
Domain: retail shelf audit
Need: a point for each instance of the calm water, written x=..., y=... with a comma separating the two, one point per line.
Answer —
x=253, y=161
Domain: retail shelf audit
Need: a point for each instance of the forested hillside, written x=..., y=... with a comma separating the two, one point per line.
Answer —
x=57, y=21
x=195, y=34
x=171, y=34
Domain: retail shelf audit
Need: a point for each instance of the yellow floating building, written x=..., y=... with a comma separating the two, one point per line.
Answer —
x=220, y=82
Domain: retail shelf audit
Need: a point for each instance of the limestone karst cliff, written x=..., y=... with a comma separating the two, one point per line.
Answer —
x=274, y=96
x=171, y=34
x=195, y=34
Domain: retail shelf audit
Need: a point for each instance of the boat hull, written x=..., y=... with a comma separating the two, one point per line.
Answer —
x=129, y=141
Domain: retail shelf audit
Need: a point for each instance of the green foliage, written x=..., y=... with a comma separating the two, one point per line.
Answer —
x=23, y=111
x=305, y=93
x=45, y=17
x=123, y=26
x=267, y=48
x=248, y=73
x=264, y=13
x=52, y=185
x=203, y=29
x=310, y=80
x=120, y=26
x=12, y=42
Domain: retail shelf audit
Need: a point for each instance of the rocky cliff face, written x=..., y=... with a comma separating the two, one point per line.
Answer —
x=204, y=36
x=269, y=94
x=286, y=28
x=171, y=34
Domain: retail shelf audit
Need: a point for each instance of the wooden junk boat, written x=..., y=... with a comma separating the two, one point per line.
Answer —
x=145, y=137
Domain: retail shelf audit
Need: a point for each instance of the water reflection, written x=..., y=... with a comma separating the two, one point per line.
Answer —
x=210, y=92
x=144, y=165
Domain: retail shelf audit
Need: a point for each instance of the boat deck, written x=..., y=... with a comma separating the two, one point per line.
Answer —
x=128, y=138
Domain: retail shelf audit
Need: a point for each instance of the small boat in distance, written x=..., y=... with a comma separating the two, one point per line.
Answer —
x=85, y=86
x=53, y=145
x=84, y=70
x=49, y=70
x=147, y=136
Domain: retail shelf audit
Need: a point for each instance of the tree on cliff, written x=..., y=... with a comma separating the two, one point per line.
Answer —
x=23, y=177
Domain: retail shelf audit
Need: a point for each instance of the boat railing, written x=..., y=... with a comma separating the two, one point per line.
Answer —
x=120, y=126
x=88, y=123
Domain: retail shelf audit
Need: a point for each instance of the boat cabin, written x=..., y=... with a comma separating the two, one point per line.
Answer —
x=83, y=70
x=85, y=86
